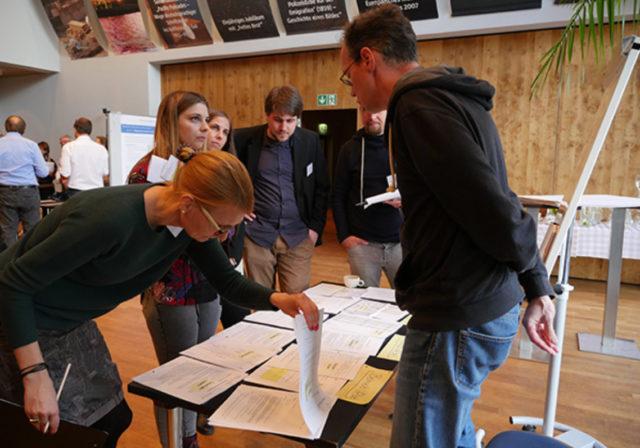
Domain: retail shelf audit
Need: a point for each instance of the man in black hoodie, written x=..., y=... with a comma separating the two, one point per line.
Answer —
x=469, y=247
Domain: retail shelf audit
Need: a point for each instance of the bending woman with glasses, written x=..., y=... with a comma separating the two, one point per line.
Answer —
x=182, y=308
x=101, y=248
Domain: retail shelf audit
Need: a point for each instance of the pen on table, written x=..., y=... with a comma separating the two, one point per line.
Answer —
x=64, y=378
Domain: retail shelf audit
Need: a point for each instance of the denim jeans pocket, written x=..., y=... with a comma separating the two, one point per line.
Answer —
x=484, y=348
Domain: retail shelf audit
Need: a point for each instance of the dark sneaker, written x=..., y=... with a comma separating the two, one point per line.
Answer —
x=203, y=426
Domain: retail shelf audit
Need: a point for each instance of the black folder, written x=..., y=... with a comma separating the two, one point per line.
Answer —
x=17, y=432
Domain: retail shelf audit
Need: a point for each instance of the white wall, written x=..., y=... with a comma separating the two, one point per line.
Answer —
x=131, y=83
x=27, y=37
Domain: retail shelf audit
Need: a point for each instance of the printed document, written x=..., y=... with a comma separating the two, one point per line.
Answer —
x=189, y=379
x=315, y=403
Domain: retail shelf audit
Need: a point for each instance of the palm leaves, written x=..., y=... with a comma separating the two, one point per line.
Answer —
x=587, y=25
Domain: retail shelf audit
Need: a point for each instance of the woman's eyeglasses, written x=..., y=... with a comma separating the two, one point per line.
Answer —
x=220, y=230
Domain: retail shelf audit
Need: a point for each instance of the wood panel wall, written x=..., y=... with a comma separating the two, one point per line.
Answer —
x=545, y=139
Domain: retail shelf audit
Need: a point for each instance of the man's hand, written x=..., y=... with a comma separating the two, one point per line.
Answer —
x=397, y=202
x=538, y=321
x=313, y=235
x=352, y=241
x=293, y=304
x=250, y=217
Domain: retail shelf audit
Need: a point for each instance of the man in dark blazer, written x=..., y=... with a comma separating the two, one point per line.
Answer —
x=289, y=174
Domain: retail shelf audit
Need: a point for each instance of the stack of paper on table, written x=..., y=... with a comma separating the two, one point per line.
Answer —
x=383, y=294
x=350, y=323
x=274, y=318
x=301, y=415
x=241, y=346
x=190, y=380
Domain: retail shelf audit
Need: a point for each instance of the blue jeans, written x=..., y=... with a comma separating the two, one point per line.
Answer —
x=174, y=328
x=368, y=260
x=439, y=377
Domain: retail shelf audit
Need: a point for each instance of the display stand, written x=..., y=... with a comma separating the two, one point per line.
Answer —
x=561, y=243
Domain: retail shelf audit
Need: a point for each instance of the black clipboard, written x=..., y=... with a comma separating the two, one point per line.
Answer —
x=17, y=432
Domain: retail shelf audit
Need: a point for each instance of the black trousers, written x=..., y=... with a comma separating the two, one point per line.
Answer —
x=115, y=423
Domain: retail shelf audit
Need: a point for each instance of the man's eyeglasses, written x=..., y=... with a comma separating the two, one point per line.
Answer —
x=219, y=230
x=344, y=78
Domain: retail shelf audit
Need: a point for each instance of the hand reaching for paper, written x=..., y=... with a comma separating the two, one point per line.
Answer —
x=293, y=304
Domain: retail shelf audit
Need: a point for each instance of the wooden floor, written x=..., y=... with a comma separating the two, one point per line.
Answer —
x=598, y=394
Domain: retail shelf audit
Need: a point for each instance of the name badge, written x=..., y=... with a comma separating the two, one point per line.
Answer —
x=310, y=169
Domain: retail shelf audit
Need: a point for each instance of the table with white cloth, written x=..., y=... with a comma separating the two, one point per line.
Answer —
x=613, y=240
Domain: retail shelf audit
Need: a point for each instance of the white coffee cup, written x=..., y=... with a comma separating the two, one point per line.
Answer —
x=353, y=281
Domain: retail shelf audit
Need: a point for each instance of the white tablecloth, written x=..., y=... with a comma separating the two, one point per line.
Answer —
x=593, y=241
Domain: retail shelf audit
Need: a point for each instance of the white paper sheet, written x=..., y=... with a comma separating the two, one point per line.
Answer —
x=323, y=289
x=275, y=318
x=384, y=294
x=251, y=334
x=241, y=346
x=390, y=313
x=332, y=305
x=261, y=409
x=315, y=404
x=236, y=357
x=351, y=343
x=349, y=323
x=335, y=364
x=364, y=307
x=388, y=196
x=330, y=290
x=289, y=379
x=189, y=379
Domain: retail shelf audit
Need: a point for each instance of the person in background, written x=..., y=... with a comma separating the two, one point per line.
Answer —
x=221, y=138
x=64, y=140
x=469, y=247
x=84, y=164
x=102, y=140
x=287, y=166
x=21, y=163
x=46, y=183
x=181, y=309
x=101, y=248
x=370, y=236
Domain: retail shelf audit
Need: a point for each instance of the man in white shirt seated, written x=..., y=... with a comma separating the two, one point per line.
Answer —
x=84, y=164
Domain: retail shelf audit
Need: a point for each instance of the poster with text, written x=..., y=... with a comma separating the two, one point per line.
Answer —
x=311, y=16
x=470, y=7
x=122, y=23
x=238, y=20
x=130, y=138
x=179, y=22
x=412, y=9
x=69, y=20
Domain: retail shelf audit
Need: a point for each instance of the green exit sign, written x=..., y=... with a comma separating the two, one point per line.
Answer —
x=327, y=99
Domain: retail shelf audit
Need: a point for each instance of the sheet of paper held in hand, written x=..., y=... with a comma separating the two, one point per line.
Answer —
x=189, y=379
x=387, y=196
x=161, y=170
x=365, y=386
x=315, y=404
x=301, y=414
x=241, y=346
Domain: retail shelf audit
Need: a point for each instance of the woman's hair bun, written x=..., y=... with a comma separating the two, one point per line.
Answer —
x=185, y=153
